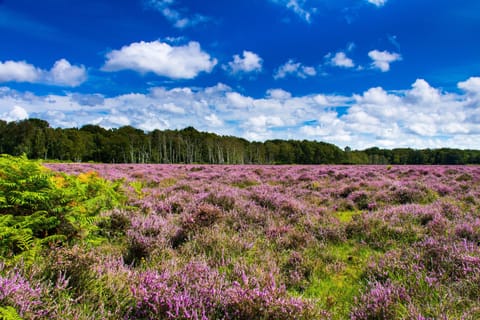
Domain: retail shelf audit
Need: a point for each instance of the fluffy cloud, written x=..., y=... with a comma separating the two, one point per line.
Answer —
x=378, y=3
x=261, y=122
x=239, y=101
x=421, y=116
x=15, y=114
x=176, y=62
x=424, y=93
x=330, y=100
x=249, y=62
x=341, y=60
x=278, y=94
x=174, y=16
x=294, y=69
x=471, y=85
x=172, y=108
x=383, y=59
x=61, y=74
x=18, y=71
x=214, y=120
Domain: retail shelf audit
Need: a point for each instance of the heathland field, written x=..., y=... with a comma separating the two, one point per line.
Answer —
x=97, y=241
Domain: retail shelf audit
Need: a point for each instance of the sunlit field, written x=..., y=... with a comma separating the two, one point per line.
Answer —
x=248, y=242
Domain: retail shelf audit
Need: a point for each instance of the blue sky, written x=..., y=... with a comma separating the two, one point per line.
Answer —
x=387, y=73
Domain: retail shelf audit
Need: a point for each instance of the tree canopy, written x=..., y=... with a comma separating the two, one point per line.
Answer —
x=37, y=140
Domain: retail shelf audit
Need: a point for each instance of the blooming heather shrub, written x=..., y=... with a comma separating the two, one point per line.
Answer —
x=450, y=260
x=345, y=191
x=469, y=230
x=380, y=302
x=378, y=233
x=334, y=233
x=191, y=293
x=73, y=264
x=450, y=211
x=224, y=201
x=441, y=276
x=443, y=190
x=18, y=293
x=361, y=199
x=411, y=193
x=249, y=301
x=277, y=200
x=198, y=292
x=266, y=196
x=148, y=234
x=203, y=216
x=296, y=270
x=267, y=234
x=116, y=223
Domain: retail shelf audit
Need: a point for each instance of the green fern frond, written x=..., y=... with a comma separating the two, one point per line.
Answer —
x=39, y=207
x=9, y=313
x=53, y=239
x=23, y=239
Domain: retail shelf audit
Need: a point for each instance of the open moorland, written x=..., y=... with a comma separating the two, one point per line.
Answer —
x=95, y=241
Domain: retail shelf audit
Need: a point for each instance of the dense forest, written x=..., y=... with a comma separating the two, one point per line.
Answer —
x=37, y=140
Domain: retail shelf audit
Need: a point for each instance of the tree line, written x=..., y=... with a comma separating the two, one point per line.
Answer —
x=37, y=140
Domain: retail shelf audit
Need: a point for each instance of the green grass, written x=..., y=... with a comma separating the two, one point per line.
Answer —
x=346, y=216
x=243, y=184
x=336, y=279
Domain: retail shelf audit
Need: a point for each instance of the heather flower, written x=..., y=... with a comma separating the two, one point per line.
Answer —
x=17, y=292
x=469, y=230
x=418, y=233
x=380, y=301
x=199, y=292
x=147, y=234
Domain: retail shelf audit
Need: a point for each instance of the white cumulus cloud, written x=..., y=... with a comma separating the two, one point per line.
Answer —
x=214, y=120
x=292, y=68
x=61, y=74
x=341, y=60
x=15, y=114
x=248, y=62
x=471, y=85
x=420, y=116
x=383, y=59
x=18, y=71
x=238, y=100
x=176, y=62
x=278, y=94
x=172, y=108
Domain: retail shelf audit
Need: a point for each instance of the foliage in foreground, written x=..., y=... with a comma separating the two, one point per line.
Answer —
x=258, y=242
x=40, y=208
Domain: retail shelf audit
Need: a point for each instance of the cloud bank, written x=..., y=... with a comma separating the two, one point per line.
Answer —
x=421, y=116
